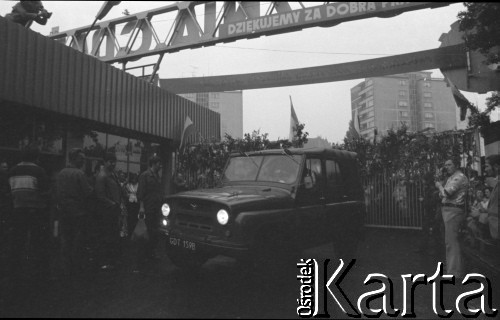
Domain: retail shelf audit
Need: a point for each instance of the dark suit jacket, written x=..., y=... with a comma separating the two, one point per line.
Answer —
x=108, y=190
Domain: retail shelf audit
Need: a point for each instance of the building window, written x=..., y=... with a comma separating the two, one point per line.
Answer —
x=19, y=129
x=369, y=93
x=214, y=105
x=370, y=103
x=131, y=154
x=428, y=125
x=215, y=95
x=202, y=99
x=429, y=115
x=371, y=124
x=403, y=103
x=118, y=146
x=93, y=142
x=427, y=84
x=402, y=93
x=402, y=82
x=427, y=105
x=427, y=95
x=369, y=82
x=403, y=114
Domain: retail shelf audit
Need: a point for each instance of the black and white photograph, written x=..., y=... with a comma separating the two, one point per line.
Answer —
x=249, y=160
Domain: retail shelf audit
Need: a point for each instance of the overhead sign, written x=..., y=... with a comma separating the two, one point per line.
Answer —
x=205, y=23
x=329, y=14
x=444, y=58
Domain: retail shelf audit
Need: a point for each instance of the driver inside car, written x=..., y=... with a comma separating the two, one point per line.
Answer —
x=283, y=176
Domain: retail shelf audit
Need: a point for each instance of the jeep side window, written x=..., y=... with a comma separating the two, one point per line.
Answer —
x=334, y=183
x=312, y=182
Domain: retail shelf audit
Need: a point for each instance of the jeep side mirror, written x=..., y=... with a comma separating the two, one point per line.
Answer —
x=308, y=182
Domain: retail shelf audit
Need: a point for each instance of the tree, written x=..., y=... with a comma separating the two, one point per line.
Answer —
x=481, y=28
x=351, y=131
x=412, y=155
x=300, y=137
x=203, y=163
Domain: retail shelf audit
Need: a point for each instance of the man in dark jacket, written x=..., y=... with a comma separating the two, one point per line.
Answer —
x=29, y=187
x=73, y=192
x=149, y=194
x=110, y=196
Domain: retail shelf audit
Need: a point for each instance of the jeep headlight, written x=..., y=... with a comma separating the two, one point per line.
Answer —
x=222, y=216
x=165, y=209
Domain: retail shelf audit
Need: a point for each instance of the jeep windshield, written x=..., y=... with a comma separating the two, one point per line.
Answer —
x=281, y=168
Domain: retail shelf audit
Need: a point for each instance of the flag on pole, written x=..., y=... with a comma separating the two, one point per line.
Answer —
x=294, y=121
x=355, y=121
x=462, y=103
x=188, y=128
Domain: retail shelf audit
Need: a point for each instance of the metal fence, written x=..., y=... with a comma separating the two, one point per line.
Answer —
x=393, y=203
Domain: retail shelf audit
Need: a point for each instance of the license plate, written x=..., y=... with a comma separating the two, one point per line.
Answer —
x=188, y=245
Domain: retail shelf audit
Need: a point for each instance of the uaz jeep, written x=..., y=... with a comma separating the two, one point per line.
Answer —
x=269, y=203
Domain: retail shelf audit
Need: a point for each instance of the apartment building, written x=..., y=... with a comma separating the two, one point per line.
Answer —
x=228, y=104
x=415, y=99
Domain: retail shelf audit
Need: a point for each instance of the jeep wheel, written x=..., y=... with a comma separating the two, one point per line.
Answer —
x=186, y=261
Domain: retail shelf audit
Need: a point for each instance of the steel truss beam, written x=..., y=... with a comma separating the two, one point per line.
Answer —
x=195, y=24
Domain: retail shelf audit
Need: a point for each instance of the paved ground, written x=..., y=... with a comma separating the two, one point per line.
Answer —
x=225, y=289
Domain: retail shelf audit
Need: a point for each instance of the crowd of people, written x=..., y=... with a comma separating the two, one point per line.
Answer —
x=460, y=207
x=76, y=225
x=482, y=219
x=479, y=217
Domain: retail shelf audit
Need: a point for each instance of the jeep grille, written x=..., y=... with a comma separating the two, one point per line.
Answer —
x=194, y=222
x=196, y=215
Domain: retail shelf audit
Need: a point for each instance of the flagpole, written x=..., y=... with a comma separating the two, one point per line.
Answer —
x=294, y=121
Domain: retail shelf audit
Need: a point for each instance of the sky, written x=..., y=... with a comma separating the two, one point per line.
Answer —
x=324, y=108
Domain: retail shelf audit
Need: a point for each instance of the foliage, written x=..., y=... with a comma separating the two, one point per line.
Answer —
x=410, y=155
x=351, y=131
x=250, y=142
x=482, y=28
x=481, y=119
x=202, y=163
x=300, y=136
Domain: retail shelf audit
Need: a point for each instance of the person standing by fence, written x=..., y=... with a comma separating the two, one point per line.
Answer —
x=492, y=168
x=73, y=192
x=149, y=194
x=109, y=195
x=432, y=220
x=400, y=196
x=132, y=203
x=453, y=211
